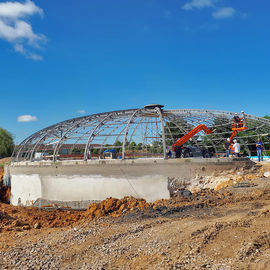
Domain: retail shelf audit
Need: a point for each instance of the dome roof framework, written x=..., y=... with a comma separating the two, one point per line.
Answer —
x=145, y=132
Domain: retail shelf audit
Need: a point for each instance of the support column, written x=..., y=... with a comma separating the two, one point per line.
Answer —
x=92, y=135
x=158, y=109
x=126, y=133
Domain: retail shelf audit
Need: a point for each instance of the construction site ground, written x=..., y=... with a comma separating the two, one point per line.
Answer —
x=223, y=228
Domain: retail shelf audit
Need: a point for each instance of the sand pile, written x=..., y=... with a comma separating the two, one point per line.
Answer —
x=115, y=207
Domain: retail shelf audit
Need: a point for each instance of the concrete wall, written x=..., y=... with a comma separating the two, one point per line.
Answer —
x=76, y=183
x=25, y=189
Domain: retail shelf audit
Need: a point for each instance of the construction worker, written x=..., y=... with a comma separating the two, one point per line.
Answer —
x=236, y=148
x=227, y=147
x=236, y=120
x=259, y=146
x=169, y=153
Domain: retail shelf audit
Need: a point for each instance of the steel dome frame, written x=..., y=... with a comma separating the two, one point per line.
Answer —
x=124, y=125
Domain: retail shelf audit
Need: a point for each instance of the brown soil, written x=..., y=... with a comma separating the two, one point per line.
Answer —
x=18, y=218
x=227, y=228
x=4, y=191
x=115, y=207
x=4, y=194
x=1, y=174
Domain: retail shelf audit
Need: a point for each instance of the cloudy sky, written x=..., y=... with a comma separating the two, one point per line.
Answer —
x=62, y=59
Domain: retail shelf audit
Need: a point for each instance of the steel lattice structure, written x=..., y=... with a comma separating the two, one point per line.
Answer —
x=145, y=132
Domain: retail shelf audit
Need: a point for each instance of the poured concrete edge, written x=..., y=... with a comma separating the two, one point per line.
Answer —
x=131, y=161
x=76, y=183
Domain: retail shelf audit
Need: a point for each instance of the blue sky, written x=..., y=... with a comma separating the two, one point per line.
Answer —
x=59, y=59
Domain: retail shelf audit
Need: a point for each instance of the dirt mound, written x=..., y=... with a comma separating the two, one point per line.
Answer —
x=4, y=194
x=24, y=218
x=4, y=216
x=1, y=175
x=4, y=191
x=121, y=207
x=115, y=207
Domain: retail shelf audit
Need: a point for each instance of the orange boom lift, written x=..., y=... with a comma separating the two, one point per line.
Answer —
x=190, y=134
x=235, y=129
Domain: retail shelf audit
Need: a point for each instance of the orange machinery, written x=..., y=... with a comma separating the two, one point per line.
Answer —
x=190, y=134
x=236, y=127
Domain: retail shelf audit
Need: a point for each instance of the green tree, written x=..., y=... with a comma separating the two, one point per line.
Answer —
x=132, y=146
x=118, y=143
x=138, y=146
x=95, y=151
x=118, y=148
x=156, y=147
x=6, y=143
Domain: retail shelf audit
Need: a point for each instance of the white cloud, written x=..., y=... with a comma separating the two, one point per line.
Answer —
x=17, y=10
x=34, y=57
x=224, y=13
x=198, y=4
x=20, y=49
x=18, y=31
x=15, y=29
x=26, y=118
x=81, y=111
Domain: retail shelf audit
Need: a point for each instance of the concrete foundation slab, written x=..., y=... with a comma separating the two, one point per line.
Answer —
x=75, y=183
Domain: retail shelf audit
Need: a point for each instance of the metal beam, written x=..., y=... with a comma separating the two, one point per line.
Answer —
x=158, y=109
x=126, y=133
x=93, y=134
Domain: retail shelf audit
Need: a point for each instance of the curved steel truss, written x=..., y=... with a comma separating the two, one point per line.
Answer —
x=145, y=132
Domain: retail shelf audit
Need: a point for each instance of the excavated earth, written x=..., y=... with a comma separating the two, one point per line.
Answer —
x=226, y=227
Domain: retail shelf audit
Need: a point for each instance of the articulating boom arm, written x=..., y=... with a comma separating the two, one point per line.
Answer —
x=190, y=134
x=235, y=131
